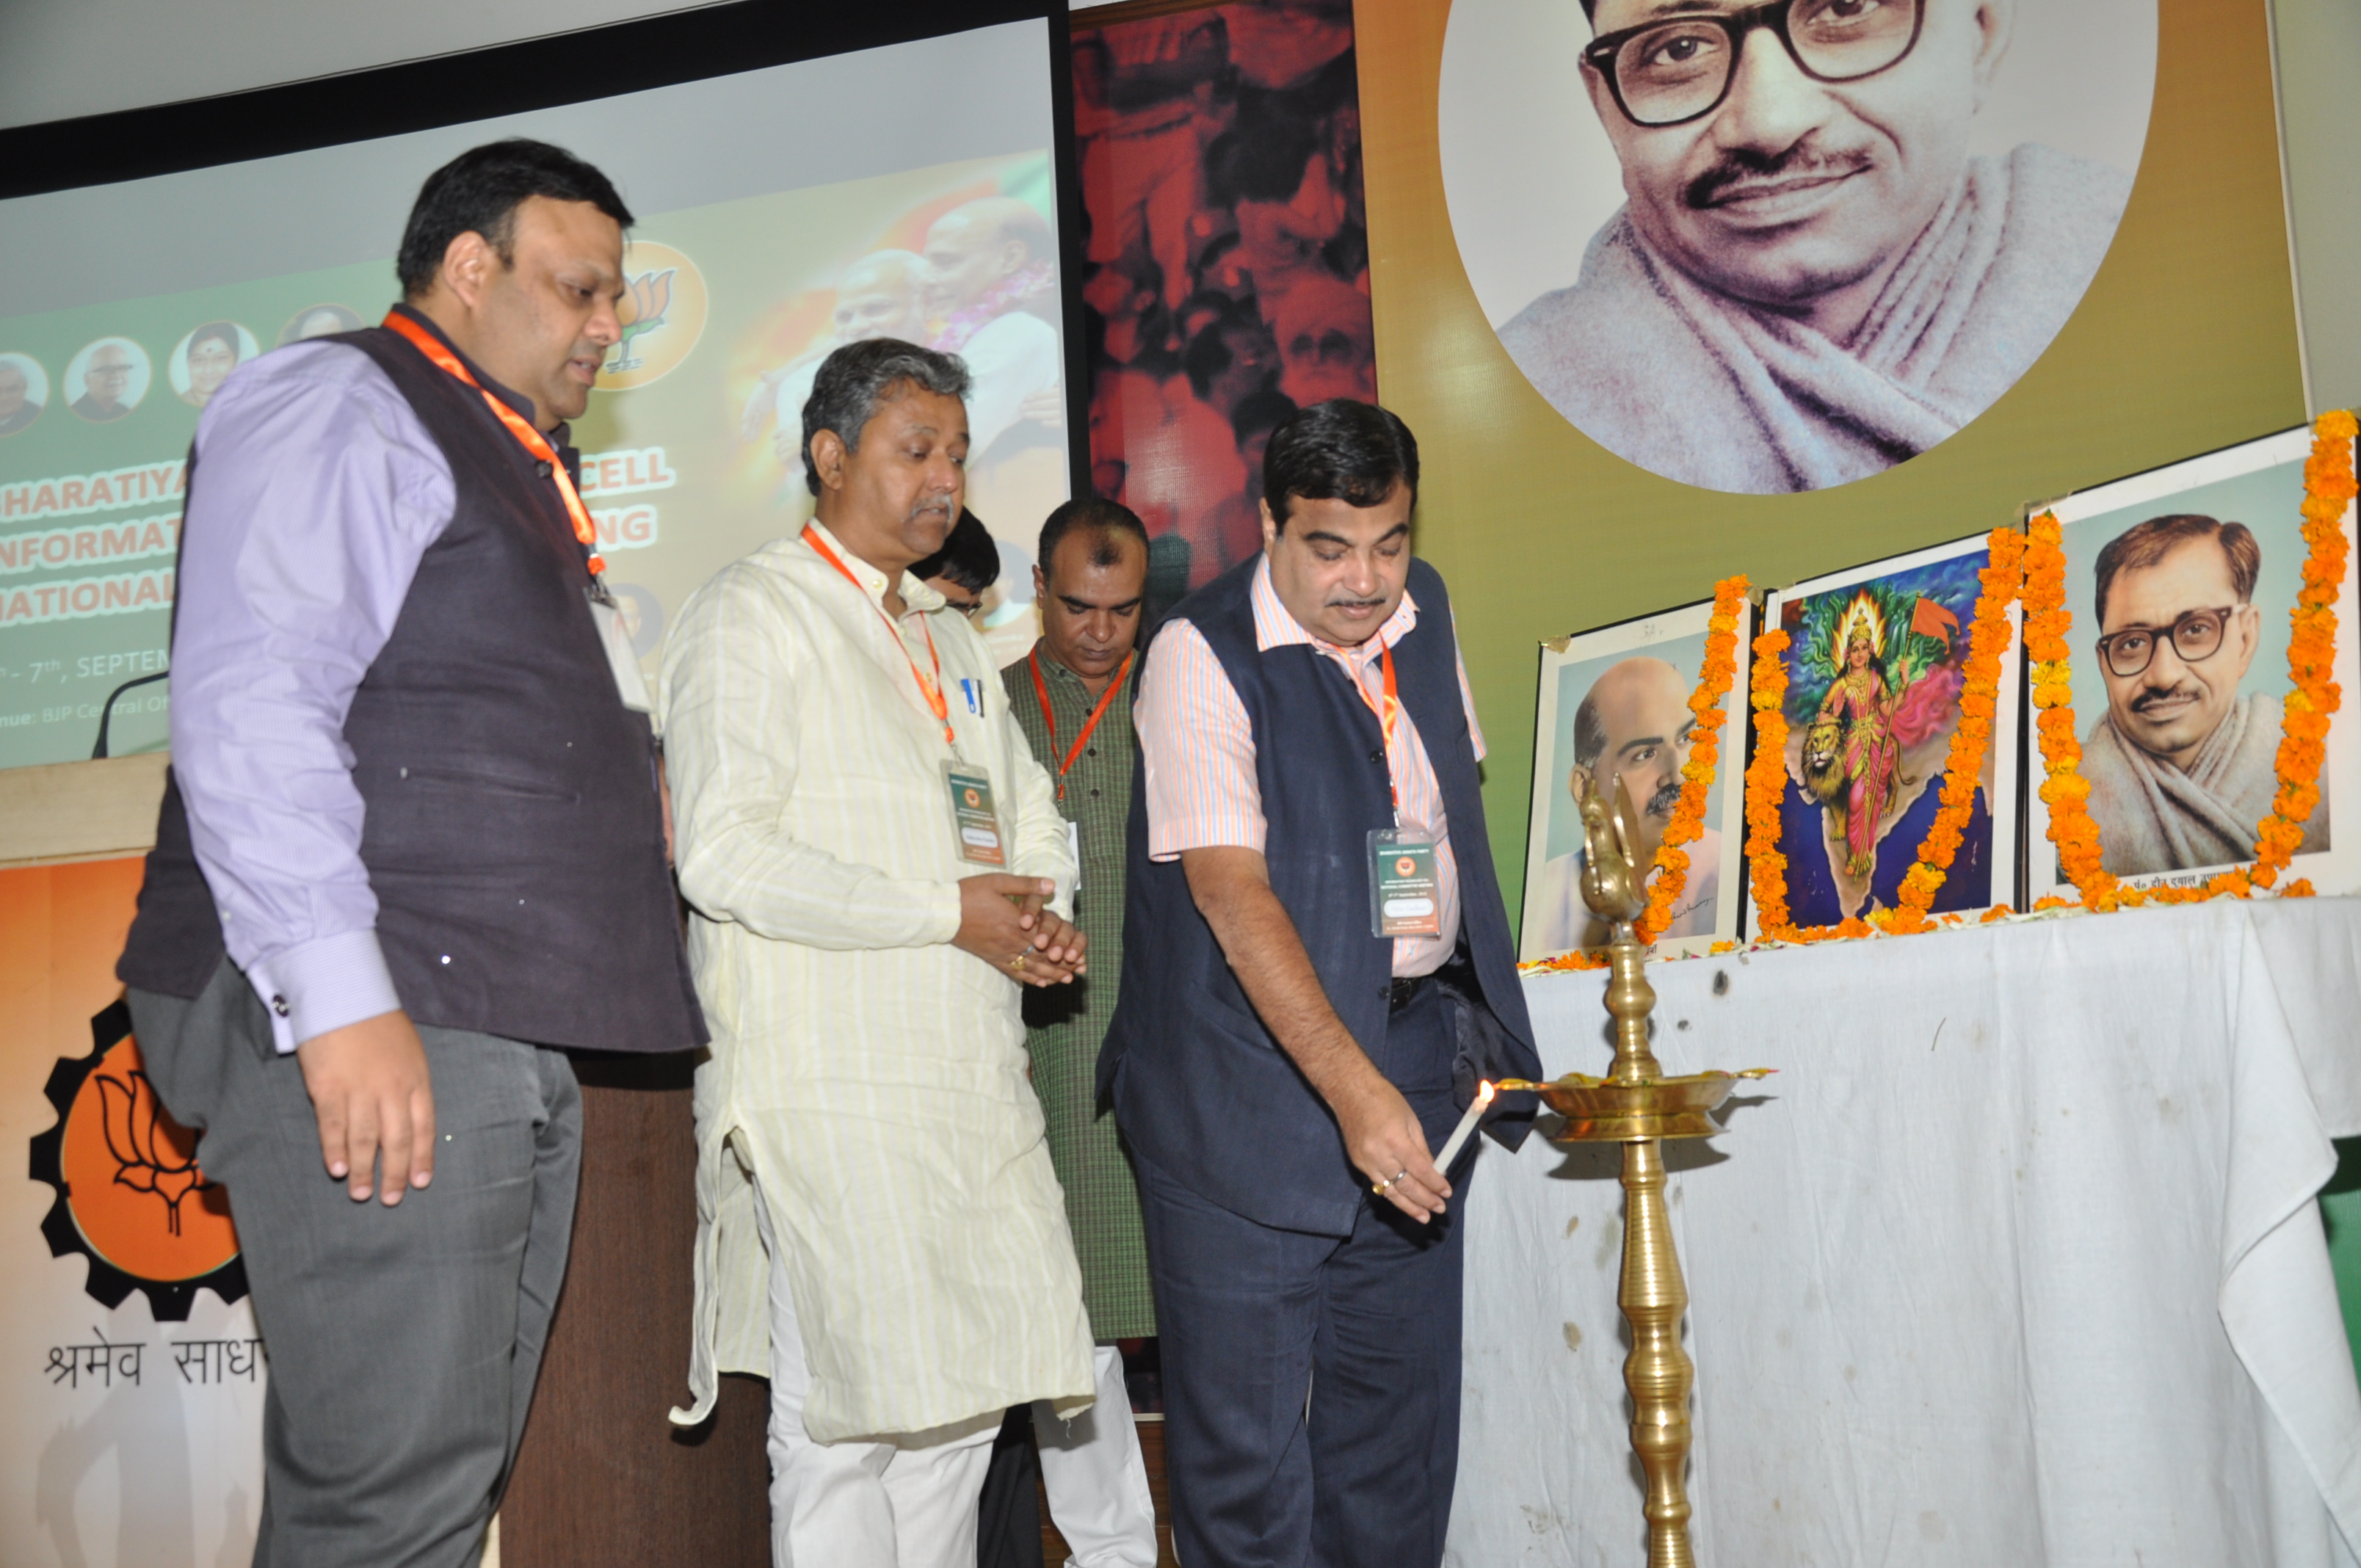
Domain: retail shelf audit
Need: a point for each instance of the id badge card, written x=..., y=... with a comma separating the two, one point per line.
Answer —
x=975, y=825
x=1403, y=897
x=621, y=661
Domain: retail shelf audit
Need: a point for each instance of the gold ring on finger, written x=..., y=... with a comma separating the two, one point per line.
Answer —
x=1016, y=964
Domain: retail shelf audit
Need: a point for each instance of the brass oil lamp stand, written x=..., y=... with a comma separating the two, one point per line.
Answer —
x=1636, y=1106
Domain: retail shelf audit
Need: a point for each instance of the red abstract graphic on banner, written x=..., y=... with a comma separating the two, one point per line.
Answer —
x=1228, y=251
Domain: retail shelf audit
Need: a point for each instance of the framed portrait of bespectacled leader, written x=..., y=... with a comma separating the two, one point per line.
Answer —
x=2180, y=582
x=1614, y=704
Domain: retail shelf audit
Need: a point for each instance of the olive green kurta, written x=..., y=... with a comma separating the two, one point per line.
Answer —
x=1064, y=1024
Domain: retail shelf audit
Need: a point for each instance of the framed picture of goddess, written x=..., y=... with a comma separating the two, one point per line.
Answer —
x=2180, y=582
x=1876, y=663
x=1614, y=704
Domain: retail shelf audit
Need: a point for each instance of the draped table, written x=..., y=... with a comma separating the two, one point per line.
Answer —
x=2015, y=1261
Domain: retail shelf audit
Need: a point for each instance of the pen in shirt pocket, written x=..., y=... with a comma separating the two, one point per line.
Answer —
x=973, y=692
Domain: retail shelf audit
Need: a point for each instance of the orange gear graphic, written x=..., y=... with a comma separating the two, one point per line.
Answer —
x=131, y=1195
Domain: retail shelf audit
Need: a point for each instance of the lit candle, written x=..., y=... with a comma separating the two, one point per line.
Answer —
x=1467, y=1128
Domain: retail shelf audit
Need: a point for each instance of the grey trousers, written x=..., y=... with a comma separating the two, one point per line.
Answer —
x=403, y=1342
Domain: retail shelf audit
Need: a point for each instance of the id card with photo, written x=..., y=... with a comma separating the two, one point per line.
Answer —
x=621, y=661
x=975, y=824
x=1404, y=900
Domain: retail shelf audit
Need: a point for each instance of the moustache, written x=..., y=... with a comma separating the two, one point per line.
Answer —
x=1667, y=796
x=1741, y=166
x=2178, y=691
x=1355, y=602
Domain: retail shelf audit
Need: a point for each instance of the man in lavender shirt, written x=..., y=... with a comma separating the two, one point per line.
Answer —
x=412, y=850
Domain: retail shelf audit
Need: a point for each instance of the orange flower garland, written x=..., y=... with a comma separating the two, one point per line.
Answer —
x=1670, y=878
x=2001, y=582
x=1686, y=826
x=2329, y=487
x=2031, y=569
x=1766, y=868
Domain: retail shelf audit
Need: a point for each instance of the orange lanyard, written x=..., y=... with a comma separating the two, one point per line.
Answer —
x=1387, y=716
x=1041, y=690
x=532, y=440
x=932, y=690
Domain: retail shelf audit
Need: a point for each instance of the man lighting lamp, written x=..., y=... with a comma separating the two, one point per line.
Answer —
x=1317, y=971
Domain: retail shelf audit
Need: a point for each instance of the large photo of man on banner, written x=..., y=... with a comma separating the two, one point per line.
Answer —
x=1837, y=231
x=1227, y=249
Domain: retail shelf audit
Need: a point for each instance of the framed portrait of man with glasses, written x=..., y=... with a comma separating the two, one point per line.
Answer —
x=1781, y=247
x=2180, y=581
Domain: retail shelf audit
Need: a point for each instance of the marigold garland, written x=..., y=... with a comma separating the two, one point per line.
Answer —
x=2028, y=569
x=1669, y=877
x=1766, y=868
x=2000, y=584
x=2329, y=487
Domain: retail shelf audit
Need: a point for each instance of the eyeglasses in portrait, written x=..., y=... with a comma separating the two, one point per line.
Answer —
x=2180, y=582
x=1775, y=248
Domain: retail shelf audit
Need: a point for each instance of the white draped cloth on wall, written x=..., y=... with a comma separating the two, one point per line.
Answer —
x=2015, y=1261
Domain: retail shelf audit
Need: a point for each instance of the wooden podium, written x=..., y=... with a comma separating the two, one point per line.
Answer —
x=604, y=1477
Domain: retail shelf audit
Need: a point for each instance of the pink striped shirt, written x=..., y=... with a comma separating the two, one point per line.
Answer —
x=1200, y=752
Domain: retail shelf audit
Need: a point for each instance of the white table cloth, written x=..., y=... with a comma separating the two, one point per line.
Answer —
x=2016, y=1261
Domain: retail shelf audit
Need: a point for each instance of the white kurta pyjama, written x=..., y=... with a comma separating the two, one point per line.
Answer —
x=867, y=1074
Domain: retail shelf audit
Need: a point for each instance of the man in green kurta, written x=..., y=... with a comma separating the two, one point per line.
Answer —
x=1072, y=695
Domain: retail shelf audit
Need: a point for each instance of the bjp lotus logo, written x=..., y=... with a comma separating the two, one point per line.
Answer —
x=662, y=313
x=132, y=1196
x=651, y=293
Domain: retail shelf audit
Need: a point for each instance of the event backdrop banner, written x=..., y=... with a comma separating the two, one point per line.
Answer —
x=136, y=1374
x=1228, y=285
x=2184, y=341
x=754, y=255
x=1827, y=256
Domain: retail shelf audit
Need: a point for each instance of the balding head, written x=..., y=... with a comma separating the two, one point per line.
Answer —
x=974, y=246
x=1634, y=724
x=107, y=377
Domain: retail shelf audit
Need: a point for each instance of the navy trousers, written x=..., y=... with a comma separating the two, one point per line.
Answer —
x=1312, y=1382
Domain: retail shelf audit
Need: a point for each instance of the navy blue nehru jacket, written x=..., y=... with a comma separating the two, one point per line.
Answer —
x=1200, y=1086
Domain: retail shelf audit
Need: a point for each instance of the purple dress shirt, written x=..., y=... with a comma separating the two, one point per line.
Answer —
x=318, y=492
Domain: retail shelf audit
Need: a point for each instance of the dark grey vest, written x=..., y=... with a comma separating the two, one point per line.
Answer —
x=514, y=835
x=1199, y=1087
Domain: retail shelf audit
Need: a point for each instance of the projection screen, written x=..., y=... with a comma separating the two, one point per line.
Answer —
x=761, y=197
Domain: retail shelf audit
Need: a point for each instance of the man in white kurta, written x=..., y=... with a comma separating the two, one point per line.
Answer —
x=875, y=1196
